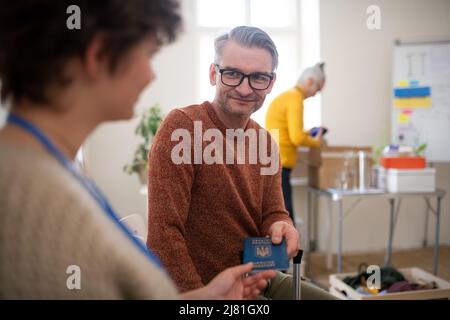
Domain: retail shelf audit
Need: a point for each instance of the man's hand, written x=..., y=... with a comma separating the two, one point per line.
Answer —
x=281, y=229
x=232, y=284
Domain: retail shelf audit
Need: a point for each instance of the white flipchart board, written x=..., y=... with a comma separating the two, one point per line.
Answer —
x=421, y=97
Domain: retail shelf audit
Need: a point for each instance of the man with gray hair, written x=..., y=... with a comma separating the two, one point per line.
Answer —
x=285, y=113
x=200, y=213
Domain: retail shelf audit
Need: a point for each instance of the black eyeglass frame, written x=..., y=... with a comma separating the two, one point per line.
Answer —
x=243, y=76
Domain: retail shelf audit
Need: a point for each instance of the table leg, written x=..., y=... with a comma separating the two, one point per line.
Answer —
x=311, y=243
x=436, y=240
x=387, y=258
x=340, y=231
x=425, y=229
x=315, y=219
x=329, y=259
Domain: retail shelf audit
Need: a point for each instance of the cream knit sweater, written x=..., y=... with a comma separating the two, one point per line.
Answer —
x=48, y=222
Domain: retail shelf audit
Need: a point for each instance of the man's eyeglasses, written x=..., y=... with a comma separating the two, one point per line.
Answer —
x=234, y=78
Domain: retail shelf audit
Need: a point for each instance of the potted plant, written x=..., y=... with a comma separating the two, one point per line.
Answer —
x=146, y=129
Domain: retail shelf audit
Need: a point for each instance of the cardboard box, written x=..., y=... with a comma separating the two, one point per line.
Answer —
x=301, y=168
x=340, y=289
x=338, y=167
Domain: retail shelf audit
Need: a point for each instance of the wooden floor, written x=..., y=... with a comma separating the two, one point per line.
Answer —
x=316, y=270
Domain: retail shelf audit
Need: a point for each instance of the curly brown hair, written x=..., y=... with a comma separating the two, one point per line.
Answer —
x=35, y=42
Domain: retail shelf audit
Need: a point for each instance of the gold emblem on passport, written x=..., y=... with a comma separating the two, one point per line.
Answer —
x=263, y=251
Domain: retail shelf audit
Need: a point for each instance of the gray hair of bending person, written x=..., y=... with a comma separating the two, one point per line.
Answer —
x=247, y=37
x=316, y=73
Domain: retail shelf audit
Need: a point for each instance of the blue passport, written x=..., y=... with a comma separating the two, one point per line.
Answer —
x=264, y=254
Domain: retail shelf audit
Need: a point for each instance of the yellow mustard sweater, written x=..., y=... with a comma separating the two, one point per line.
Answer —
x=286, y=114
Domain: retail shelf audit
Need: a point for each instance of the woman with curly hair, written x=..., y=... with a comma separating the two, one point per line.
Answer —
x=60, y=84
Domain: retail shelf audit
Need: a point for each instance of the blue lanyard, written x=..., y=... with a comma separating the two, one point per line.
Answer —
x=88, y=184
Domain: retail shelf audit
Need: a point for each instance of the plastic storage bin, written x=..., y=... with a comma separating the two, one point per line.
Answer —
x=341, y=290
x=403, y=162
x=405, y=180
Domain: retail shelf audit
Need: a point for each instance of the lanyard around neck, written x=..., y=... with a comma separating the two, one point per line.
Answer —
x=88, y=184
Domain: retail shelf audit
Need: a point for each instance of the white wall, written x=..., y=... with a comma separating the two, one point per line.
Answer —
x=358, y=61
x=356, y=105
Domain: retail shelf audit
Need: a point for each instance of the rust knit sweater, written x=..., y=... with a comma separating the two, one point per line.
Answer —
x=199, y=214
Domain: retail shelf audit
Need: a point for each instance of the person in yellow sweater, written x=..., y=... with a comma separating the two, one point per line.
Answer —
x=285, y=113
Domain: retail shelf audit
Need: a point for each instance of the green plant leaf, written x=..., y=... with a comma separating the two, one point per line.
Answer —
x=146, y=128
x=420, y=150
